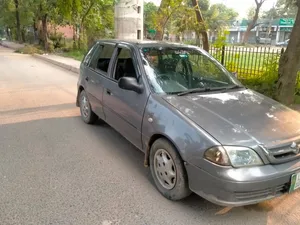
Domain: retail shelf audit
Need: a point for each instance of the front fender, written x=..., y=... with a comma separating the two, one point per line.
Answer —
x=160, y=118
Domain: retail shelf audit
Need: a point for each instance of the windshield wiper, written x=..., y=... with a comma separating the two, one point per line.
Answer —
x=199, y=90
x=234, y=87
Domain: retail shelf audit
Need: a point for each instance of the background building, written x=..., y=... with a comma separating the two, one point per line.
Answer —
x=277, y=30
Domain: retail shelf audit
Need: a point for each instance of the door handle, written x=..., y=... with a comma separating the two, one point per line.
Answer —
x=87, y=78
x=108, y=92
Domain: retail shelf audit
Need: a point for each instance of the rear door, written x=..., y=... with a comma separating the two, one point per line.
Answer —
x=98, y=70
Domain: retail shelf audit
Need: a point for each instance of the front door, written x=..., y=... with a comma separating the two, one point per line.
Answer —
x=124, y=109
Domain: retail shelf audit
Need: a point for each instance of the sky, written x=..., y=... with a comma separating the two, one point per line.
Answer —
x=241, y=6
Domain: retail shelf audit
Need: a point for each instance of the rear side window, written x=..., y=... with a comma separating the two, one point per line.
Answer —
x=89, y=55
x=102, y=57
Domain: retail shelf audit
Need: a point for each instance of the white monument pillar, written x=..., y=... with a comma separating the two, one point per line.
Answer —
x=277, y=34
x=129, y=20
x=239, y=37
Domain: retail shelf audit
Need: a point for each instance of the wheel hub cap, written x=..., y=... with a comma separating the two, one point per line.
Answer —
x=165, y=169
x=85, y=106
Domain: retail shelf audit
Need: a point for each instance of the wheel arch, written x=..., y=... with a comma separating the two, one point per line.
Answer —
x=154, y=138
x=80, y=89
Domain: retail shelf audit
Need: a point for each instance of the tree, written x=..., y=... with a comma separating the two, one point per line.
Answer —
x=150, y=10
x=99, y=21
x=18, y=20
x=280, y=10
x=218, y=16
x=201, y=22
x=252, y=24
x=285, y=9
x=166, y=10
x=289, y=63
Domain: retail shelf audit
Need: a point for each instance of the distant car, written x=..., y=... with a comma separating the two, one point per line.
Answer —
x=201, y=130
x=283, y=44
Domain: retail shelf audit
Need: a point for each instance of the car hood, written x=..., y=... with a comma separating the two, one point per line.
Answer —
x=241, y=117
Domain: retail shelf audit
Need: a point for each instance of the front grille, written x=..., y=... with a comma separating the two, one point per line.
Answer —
x=251, y=195
x=281, y=154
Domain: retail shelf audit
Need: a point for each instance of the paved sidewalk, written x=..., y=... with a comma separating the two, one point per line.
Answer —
x=64, y=62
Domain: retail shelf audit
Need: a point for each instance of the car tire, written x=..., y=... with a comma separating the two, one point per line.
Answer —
x=168, y=170
x=87, y=115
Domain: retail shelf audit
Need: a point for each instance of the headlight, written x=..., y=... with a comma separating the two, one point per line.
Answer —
x=217, y=155
x=233, y=155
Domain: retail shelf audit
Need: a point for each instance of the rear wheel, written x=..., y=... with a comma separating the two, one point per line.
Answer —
x=168, y=171
x=87, y=115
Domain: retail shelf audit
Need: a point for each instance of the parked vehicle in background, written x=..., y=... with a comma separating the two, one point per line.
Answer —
x=201, y=130
x=283, y=43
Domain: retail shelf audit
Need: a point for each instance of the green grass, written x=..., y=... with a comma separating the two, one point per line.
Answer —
x=75, y=54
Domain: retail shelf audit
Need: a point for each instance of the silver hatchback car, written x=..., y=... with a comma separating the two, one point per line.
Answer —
x=201, y=130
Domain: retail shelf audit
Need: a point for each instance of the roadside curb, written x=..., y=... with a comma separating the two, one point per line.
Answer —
x=13, y=46
x=60, y=64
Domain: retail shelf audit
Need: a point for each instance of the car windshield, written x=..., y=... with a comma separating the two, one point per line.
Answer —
x=173, y=70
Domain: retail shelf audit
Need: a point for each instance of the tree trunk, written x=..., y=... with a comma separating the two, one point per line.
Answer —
x=81, y=29
x=45, y=32
x=200, y=20
x=74, y=37
x=159, y=35
x=289, y=66
x=253, y=22
x=19, y=38
x=79, y=37
x=23, y=35
x=8, y=33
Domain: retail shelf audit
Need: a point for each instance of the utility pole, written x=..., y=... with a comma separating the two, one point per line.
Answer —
x=270, y=23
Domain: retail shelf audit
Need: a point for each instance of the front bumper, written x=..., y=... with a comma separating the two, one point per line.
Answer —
x=227, y=189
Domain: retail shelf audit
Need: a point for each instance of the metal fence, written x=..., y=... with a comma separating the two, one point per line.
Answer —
x=251, y=64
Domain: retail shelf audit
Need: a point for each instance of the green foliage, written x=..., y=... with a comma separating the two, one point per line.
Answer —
x=219, y=44
x=30, y=50
x=168, y=9
x=99, y=22
x=221, y=39
x=265, y=82
x=150, y=10
x=57, y=39
x=75, y=54
x=88, y=17
x=282, y=9
x=217, y=17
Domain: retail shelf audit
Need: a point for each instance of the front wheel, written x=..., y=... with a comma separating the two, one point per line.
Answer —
x=168, y=171
x=87, y=115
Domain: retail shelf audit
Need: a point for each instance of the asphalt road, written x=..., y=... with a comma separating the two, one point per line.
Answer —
x=54, y=169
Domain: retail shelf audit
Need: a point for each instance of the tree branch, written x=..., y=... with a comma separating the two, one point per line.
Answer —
x=87, y=12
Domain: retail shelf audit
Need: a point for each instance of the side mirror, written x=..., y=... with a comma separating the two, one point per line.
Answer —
x=131, y=84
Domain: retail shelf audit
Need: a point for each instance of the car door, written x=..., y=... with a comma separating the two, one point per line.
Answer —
x=124, y=109
x=98, y=70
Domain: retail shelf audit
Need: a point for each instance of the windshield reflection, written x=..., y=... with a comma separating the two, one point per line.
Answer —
x=177, y=69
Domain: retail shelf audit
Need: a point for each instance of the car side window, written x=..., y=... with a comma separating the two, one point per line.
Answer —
x=102, y=57
x=89, y=55
x=124, y=66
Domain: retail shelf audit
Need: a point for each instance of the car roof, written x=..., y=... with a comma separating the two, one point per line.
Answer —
x=147, y=43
